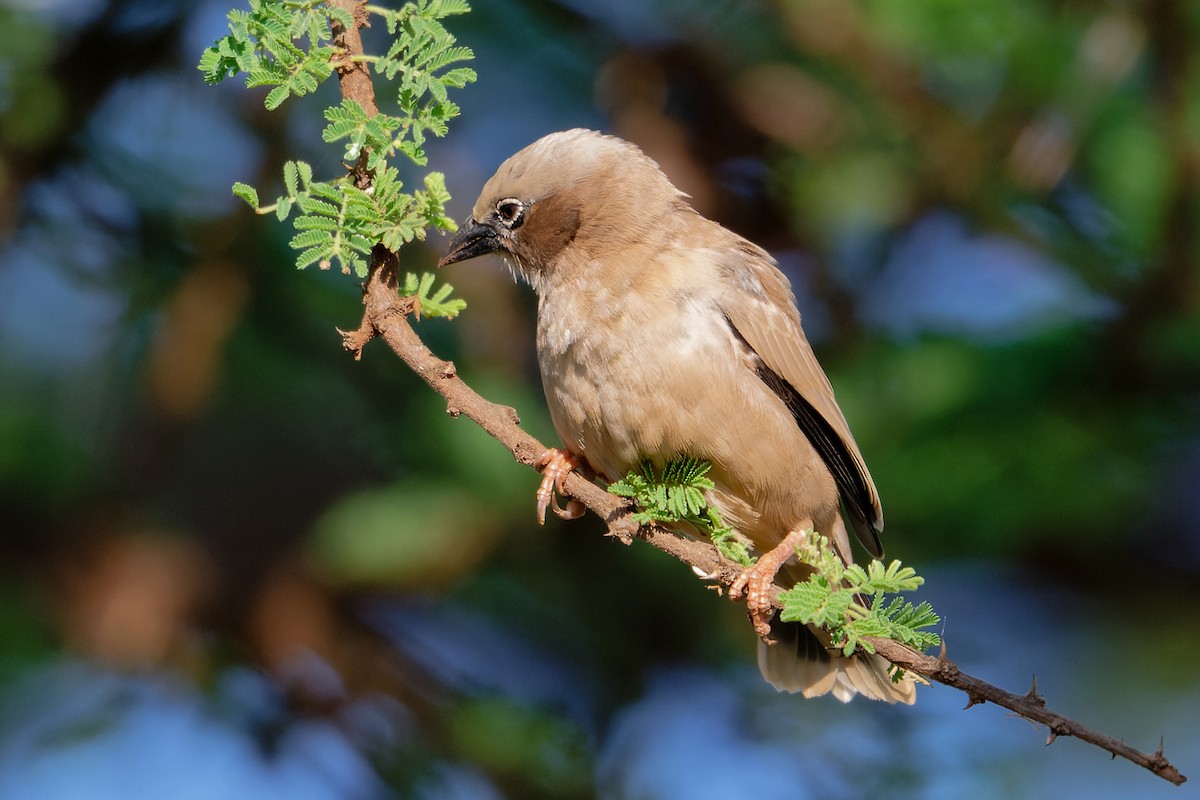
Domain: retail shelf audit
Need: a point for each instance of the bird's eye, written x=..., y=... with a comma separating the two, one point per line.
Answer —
x=511, y=212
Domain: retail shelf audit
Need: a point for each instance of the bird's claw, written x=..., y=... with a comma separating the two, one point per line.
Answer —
x=556, y=465
x=755, y=584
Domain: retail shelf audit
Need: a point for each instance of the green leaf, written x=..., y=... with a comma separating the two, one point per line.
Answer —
x=311, y=205
x=459, y=77
x=444, y=8
x=435, y=304
x=342, y=16
x=265, y=75
x=291, y=178
x=677, y=495
x=343, y=120
x=316, y=222
x=310, y=238
x=848, y=601
x=276, y=96
x=356, y=265
x=728, y=543
x=313, y=255
x=247, y=193
x=815, y=603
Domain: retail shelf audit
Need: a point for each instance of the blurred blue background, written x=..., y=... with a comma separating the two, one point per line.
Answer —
x=236, y=564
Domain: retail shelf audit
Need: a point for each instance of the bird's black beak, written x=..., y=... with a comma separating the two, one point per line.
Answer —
x=473, y=239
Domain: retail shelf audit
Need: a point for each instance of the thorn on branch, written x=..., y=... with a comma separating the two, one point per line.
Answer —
x=622, y=534
x=354, y=341
x=1056, y=730
x=1033, y=695
x=624, y=529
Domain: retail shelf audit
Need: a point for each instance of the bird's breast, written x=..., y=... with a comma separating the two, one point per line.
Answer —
x=634, y=374
x=650, y=368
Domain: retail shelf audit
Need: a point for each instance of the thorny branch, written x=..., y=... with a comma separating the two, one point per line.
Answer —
x=386, y=315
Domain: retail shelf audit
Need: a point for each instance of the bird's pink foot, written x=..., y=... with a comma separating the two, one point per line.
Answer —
x=556, y=465
x=755, y=583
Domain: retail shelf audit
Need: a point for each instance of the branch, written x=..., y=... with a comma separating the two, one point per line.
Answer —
x=1031, y=706
x=386, y=315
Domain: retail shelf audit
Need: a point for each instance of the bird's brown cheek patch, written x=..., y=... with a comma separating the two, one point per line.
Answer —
x=550, y=226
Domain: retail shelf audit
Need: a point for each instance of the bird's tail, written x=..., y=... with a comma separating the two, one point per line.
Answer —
x=800, y=662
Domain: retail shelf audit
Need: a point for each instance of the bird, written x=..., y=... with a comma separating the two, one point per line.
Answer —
x=662, y=333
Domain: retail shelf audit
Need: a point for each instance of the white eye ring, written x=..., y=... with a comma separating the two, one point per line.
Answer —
x=510, y=212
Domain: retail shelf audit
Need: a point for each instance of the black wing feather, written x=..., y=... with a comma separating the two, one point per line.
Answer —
x=856, y=495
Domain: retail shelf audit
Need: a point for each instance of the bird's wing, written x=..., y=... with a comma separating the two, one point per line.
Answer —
x=759, y=306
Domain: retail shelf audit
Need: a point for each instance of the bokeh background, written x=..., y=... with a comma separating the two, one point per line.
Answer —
x=234, y=563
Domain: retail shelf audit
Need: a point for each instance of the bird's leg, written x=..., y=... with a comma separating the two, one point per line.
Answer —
x=556, y=465
x=755, y=583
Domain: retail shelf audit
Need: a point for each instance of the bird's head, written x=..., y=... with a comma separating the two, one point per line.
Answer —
x=573, y=193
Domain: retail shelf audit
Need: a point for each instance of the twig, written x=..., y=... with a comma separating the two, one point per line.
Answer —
x=386, y=315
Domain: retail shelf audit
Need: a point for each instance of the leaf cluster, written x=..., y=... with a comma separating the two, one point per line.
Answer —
x=262, y=44
x=426, y=62
x=338, y=223
x=429, y=303
x=677, y=495
x=849, y=601
x=287, y=45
